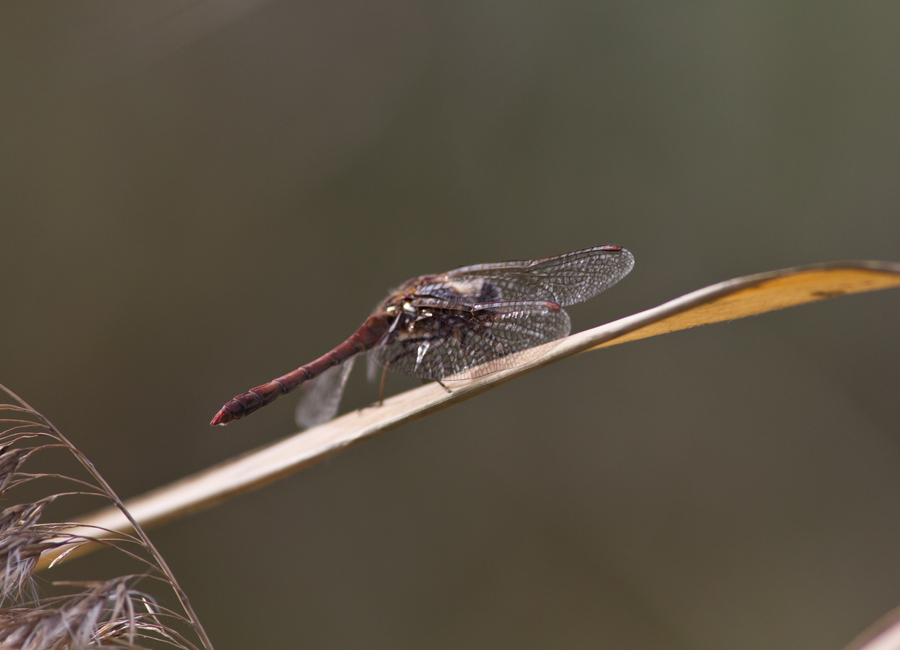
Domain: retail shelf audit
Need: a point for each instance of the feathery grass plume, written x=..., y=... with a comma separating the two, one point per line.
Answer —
x=74, y=615
x=22, y=541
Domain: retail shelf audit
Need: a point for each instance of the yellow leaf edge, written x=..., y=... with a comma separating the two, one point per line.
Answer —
x=764, y=292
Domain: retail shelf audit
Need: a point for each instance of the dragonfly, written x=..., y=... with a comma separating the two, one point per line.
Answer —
x=465, y=323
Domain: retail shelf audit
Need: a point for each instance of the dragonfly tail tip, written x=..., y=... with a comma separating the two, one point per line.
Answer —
x=222, y=418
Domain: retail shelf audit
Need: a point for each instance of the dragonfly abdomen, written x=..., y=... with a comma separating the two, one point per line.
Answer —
x=368, y=335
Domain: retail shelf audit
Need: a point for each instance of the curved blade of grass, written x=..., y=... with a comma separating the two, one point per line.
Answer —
x=884, y=634
x=728, y=300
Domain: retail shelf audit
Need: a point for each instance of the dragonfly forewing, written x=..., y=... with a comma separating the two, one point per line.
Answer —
x=565, y=279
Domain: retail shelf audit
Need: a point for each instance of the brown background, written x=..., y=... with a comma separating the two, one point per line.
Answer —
x=199, y=196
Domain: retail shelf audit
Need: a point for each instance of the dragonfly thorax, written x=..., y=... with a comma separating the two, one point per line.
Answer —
x=406, y=314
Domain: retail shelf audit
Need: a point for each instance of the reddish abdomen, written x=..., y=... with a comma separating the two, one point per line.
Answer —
x=367, y=336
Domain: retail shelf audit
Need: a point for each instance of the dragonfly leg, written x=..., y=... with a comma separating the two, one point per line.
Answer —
x=444, y=386
x=381, y=390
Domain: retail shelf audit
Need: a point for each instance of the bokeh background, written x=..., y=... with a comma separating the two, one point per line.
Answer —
x=198, y=196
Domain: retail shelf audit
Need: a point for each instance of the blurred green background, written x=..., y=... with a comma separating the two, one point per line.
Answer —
x=200, y=196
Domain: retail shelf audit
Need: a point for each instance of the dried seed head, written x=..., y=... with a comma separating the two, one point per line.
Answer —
x=21, y=544
x=10, y=461
x=101, y=615
x=107, y=614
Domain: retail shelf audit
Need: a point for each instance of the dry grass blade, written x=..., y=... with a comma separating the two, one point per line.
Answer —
x=724, y=301
x=884, y=634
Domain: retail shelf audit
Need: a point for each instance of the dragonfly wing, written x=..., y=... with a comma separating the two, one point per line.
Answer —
x=473, y=342
x=373, y=367
x=321, y=396
x=563, y=279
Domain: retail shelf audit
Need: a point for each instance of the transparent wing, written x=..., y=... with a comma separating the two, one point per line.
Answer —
x=321, y=397
x=563, y=279
x=480, y=340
